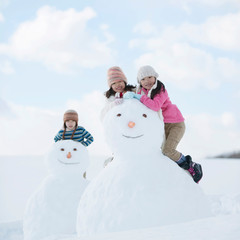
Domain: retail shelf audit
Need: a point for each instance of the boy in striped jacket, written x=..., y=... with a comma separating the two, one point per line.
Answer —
x=71, y=130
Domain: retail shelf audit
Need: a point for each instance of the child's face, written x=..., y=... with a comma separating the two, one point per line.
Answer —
x=118, y=86
x=70, y=124
x=148, y=82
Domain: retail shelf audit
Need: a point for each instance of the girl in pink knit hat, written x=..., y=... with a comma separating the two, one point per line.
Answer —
x=152, y=93
x=118, y=86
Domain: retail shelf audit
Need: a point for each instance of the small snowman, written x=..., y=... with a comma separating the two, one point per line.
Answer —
x=52, y=209
x=141, y=187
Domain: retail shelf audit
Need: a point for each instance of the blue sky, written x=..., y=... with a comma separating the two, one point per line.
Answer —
x=54, y=55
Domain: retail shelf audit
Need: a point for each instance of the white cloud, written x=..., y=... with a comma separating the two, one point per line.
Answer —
x=228, y=119
x=209, y=3
x=209, y=135
x=104, y=27
x=60, y=40
x=5, y=110
x=186, y=66
x=1, y=18
x=177, y=55
x=32, y=130
x=237, y=95
x=221, y=32
x=6, y=67
x=215, y=3
x=108, y=36
x=145, y=28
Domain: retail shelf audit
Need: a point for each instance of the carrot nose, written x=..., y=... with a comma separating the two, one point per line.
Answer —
x=131, y=124
x=69, y=155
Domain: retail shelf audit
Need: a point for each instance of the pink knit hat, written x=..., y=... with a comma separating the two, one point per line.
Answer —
x=115, y=74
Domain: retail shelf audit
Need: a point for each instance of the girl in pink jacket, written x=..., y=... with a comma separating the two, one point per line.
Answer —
x=152, y=93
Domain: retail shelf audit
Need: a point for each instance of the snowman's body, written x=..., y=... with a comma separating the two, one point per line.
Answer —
x=140, y=188
x=52, y=209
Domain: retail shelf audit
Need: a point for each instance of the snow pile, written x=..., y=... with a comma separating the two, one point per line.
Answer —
x=52, y=209
x=140, y=188
x=11, y=231
x=221, y=228
x=225, y=204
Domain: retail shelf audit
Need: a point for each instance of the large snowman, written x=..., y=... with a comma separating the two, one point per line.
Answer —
x=52, y=209
x=140, y=188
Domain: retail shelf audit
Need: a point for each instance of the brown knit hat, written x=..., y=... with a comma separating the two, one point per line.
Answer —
x=115, y=74
x=70, y=115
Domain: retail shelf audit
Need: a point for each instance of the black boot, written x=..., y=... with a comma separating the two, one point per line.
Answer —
x=195, y=169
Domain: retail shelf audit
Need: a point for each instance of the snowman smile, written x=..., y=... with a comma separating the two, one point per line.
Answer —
x=68, y=162
x=133, y=137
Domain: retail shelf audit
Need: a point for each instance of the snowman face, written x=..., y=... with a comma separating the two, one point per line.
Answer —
x=132, y=131
x=67, y=156
x=132, y=126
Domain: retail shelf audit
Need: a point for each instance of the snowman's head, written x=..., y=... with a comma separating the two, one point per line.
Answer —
x=132, y=127
x=67, y=156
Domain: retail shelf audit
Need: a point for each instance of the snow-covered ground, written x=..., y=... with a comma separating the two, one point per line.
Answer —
x=19, y=177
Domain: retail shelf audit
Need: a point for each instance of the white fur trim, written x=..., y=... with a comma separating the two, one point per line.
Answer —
x=139, y=89
x=117, y=95
x=153, y=87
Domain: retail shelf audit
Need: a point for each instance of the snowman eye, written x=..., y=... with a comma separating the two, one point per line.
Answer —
x=74, y=149
x=145, y=115
x=119, y=115
x=62, y=149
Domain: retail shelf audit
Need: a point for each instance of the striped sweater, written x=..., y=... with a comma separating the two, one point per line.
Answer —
x=80, y=135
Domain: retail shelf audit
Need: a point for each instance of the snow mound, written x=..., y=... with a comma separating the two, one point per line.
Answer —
x=11, y=231
x=225, y=204
x=140, y=188
x=52, y=209
x=221, y=227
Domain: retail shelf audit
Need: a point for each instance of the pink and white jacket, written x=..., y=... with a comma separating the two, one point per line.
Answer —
x=161, y=102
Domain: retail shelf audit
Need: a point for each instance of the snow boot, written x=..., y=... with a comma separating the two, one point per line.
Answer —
x=195, y=169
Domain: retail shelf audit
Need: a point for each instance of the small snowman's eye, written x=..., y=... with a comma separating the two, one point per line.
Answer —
x=145, y=115
x=119, y=115
x=74, y=149
x=62, y=149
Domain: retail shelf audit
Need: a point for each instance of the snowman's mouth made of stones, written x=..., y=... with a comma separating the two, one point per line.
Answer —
x=132, y=137
x=68, y=162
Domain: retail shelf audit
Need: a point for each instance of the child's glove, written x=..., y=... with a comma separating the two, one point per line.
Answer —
x=129, y=95
x=118, y=101
x=137, y=96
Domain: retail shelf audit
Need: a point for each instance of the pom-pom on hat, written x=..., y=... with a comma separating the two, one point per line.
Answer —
x=70, y=115
x=146, y=71
x=115, y=74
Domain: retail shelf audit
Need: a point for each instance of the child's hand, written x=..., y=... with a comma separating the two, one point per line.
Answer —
x=137, y=96
x=128, y=95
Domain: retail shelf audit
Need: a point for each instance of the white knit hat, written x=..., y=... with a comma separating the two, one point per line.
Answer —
x=146, y=71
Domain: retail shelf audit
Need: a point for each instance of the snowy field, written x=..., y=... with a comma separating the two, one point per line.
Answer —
x=19, y=176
